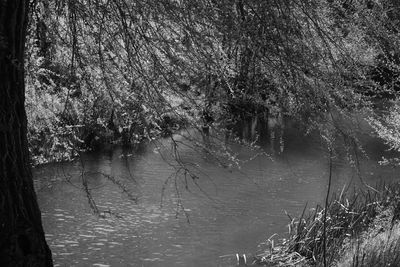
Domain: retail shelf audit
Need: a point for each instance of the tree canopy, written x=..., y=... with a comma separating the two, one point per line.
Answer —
x=132, y=70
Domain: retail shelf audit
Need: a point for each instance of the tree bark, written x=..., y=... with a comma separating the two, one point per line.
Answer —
x=22, y=240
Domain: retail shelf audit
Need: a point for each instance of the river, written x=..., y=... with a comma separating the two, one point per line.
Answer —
x=144, y=221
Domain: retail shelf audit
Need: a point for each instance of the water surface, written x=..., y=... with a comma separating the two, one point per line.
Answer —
x=146, y=221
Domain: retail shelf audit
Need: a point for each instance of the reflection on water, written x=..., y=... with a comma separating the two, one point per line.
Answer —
x=229, y=211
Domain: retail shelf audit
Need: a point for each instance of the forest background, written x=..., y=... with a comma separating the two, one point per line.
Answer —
x=123, y=72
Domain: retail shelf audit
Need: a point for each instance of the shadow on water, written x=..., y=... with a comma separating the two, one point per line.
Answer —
x=230, y=210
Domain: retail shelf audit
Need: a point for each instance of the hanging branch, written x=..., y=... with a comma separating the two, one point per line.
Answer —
x=327, y=204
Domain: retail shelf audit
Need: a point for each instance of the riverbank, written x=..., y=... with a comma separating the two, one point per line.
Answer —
x=362, y=229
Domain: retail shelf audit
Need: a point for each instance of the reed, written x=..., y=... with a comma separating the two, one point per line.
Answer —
x=350, y=217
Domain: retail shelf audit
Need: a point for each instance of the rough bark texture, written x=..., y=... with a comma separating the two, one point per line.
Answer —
x=22, y=241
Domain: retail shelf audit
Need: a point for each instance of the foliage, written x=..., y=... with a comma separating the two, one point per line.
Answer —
x=49, y=138
x=127, y=71
x=388, y=128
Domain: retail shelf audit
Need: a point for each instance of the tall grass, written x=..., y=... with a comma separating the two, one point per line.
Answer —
x=348, y=217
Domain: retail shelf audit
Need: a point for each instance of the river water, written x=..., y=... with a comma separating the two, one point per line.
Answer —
x=150, y=217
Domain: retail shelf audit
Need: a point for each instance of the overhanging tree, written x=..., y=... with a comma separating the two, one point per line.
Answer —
x=22, y=240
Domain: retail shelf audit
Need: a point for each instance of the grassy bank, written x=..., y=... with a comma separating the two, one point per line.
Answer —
x=361, y=229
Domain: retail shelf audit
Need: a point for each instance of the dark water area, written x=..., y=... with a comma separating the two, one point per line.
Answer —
x=146, y=221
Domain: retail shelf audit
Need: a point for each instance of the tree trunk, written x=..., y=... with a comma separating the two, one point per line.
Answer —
x=22, y=241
